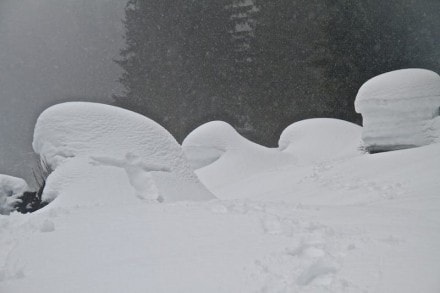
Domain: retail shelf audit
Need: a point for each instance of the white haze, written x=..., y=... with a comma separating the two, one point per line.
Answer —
x=52, y=51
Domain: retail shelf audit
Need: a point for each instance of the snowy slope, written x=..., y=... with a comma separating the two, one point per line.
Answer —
x=232, y=161
x=216, y=146
x=357, y=223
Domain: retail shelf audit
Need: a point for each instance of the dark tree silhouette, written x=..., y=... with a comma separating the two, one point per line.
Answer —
x=262, y=65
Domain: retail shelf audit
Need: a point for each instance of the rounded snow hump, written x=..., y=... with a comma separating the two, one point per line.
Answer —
x=99, y=151
x=10, y=189
x=221, y=155
x=400, y=109
x=399, y=85
x=321, y=139
x=208, y=142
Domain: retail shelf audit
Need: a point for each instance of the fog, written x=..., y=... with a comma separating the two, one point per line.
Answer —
x=189, y=62
x=52, y=51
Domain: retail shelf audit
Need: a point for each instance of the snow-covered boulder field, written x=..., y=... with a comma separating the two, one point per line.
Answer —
x=400, y=109
x=100, y=153
x=10, y=189
x=321, y=139
x=222, y=156
x=354, y=224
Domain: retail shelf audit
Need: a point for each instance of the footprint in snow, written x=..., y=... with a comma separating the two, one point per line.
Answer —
x=306, y=250
x=321, y=270
x=272, y=225
x=47, y=226
x=219, y=209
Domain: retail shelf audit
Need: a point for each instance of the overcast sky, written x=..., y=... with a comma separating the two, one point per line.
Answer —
x=52, y=51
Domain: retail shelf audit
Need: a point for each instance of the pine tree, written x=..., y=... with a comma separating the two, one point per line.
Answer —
x=207, y=59
x=287, y=68
x=152, y=62
x=365, y=39
x=181, y=66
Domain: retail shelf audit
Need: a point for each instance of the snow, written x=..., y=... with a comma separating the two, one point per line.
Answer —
x=101, y=153
x=138, y=173
x=10, y=189
x=286, y=220
x=222, y=157
x=216, y=147
x=321, y=139
x=208, y=142
x=400, y=109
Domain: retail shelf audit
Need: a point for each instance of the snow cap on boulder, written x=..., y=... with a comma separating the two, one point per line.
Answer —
x=222, y=156
x=10, y=189
x=398, y=85
x=209, y=141
x=321, y=139
x=400, y=109
x=102, y=153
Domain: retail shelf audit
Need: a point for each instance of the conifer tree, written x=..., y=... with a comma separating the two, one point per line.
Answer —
x=287, y=83
x=180, y=63
x=365, y=39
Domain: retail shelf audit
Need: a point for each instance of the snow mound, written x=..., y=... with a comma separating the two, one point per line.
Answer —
x=10, y=189
x=221, y=155
x=100, y=153
x=400, y=109
x=209, y=142
x=363, y=224
x=321, y=139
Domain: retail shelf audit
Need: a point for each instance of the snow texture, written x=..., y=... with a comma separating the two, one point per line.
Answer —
x=222, y=156
x=101, y=153
x=208, y=142
x=359, y=224
x=10, y=189
x=400, y=109
x=321, y=139
x=216, y=146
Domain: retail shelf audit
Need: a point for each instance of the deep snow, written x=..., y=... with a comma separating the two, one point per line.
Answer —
x=216, y=146
x=320, y=139
x=10, y=189
x=350, y=222
x=102, y=154
x=400, y=109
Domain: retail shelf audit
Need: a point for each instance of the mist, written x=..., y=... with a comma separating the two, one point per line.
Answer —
x=52, y=51
x=186, y=63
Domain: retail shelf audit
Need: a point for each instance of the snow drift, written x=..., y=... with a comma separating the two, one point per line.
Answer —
x=368, y=223
x=102, y=153
x=224, y=159
x=321, y=139
x=10, y=189
x=222, y=155
x=400, y=109
x=208, y=142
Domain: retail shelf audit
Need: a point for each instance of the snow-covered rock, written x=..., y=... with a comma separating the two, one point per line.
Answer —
x=10, y=189
x=102, y=153
x=208, y=142
x=321, y=139
x=221, y=155
x=361, y=224
x=223, y=159
x=400, y=109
